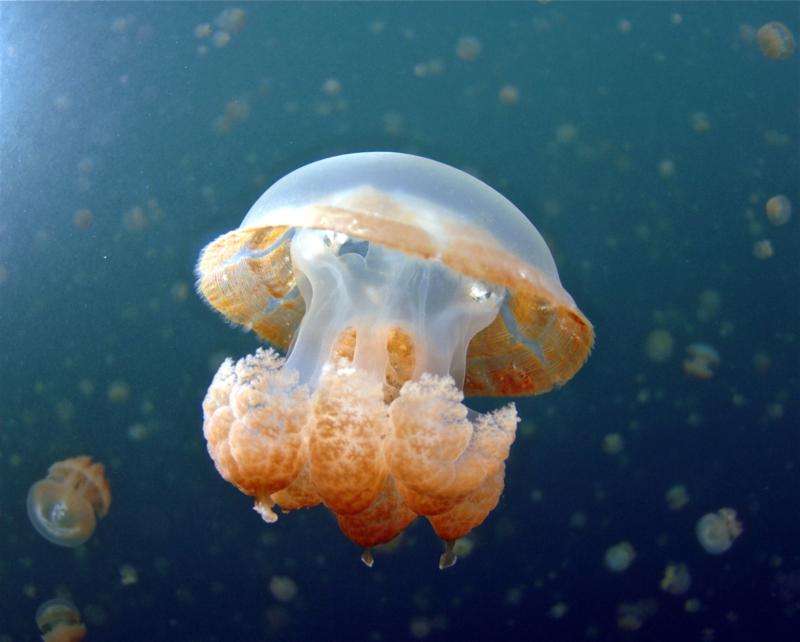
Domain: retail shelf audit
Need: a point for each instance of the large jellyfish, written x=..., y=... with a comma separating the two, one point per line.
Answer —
x=397, y=285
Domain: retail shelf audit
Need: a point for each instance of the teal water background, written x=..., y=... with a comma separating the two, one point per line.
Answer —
x=113, y=107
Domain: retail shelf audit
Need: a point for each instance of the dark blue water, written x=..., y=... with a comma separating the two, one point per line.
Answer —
x=111, y=107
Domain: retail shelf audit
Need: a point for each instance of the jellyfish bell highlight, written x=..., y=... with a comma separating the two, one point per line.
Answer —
x=397, y=286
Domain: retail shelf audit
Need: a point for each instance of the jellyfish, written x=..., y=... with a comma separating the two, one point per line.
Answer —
x=65, y=506
x=619, y=557
x=60, y=621
x=396, y=286
x=779, y=210
x=701, y=361
x=716, y=531
x=677, y=579
x=775, y=40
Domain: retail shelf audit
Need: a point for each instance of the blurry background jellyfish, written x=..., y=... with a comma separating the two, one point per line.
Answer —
x=775, y=40
x=779, y=210
x=677, y=580
x=619, y=557
x=60, y=621
x=701, y=361
x=398, y=285
x=64, y=507
x=717, y=531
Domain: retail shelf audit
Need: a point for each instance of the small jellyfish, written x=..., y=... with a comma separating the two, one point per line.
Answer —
x=666, y=168
x=509, y=95
x=613, y=443
x=677, y=497
x=619, y=557
x=775, y=41
x=677, y=579
x=717, y=531
x=283, y=588
x=468, y=48
x=64, y=507
x=118, y=391
x=83, y=218
x=779, y=210
x=659, y=345
x=60, y=621
x=763, y=249
x=701, y=361
x=700, y=121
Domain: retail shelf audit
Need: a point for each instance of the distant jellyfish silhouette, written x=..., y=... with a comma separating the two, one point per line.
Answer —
x=398, y=285
x=64, y=507
x=60, y=621
x=717, y=531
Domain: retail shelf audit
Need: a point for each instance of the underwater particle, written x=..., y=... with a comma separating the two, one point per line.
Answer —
x=666, y=168
x=468, y=48
x=86, y=387
x=558, y=610
x=775, y=40
x=220, y=39
x=624, y=25
x=64, y=410
x=699, y=121
x=83, y=218
x=64, y=506
x=779, y=210
x=59, y=620
x=118, y=392
x=202, y=30
x=365, y=412
x=701, y=361
x=231, y=20
x=578, y=520
x=331, y=87
x=180, y=291
x=62, y=102
x=420, y=627
x=138, y=432
x=283, y=588
x=762, y=362
x=134, y=219
x=464, y=547
x=619, y=557
x=775, y=138
x=566, y=133
x=631, y=616
x=659, y=345
x=509, y=95
x=677, y=579
x=763, y=249
x=393, y=123
x=692, y=605
x=613, y=443
x=746, y=33
x=716, y=532
x=677, y=497
x=128, y=575
x=676, y=18
x=709, y=304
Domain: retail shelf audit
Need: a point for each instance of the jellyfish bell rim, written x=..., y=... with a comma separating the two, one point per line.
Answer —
x=39, y=520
